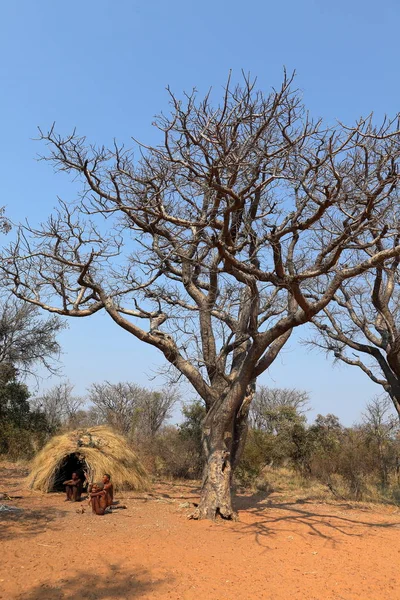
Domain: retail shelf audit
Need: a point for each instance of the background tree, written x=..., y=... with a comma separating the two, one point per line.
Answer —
x=87, y=417
x=118, y=404
x=14, y=405
x=275, y=413
x=59, y=406
x=271, y=407
x=155, y=408
x=324, y=437
x=214, y=241
x=177, y=450
x=26, y=339
x=191, y=430
x=361, y=327
x=132, y=409
x=381, y=430
x=5, y=225
x=22, y=430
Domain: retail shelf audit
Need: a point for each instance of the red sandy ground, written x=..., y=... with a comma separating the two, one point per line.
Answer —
x=279, y=550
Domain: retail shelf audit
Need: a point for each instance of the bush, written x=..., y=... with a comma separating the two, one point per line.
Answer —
x=258, y=452
x=23, y=431
x=169, y=455
x=176, y=451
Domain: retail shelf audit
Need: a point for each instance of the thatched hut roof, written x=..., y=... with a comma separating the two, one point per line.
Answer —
x=94, y=451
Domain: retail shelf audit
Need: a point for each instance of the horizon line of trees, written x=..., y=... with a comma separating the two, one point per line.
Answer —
x=357, y=462
x=350, y=461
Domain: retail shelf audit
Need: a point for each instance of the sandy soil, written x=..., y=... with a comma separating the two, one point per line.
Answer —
x=278, y=550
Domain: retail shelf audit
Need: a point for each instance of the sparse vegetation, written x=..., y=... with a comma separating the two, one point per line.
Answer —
x=355, y=463
x=321, y=458
x=282, y=451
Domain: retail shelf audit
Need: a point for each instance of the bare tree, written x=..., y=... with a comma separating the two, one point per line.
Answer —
x=130, y=408
x=361, y=327
x=155, y=408
x=26, y=339
x=59, y=405
x=381, y=429
x=118, y=404
x=89, y=417
x=214, y=241
x=272, y=405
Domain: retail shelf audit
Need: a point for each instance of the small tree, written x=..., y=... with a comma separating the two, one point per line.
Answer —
x=191, y=427
x=274, y=414
x=5, y=225
x=14, y=405
x=210, y=245
x=272, y=407
x=89, y=417
x=132, y=409
x=155, y=408
x=381, y=428
x=178, y=449
x=59, y=405
x=118, y=404
x=315, y=449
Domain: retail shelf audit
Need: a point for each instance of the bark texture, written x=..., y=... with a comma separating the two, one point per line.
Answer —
x=215, y=498
x=224, y=437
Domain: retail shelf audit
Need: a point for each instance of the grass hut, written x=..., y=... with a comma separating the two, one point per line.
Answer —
x=92, y=451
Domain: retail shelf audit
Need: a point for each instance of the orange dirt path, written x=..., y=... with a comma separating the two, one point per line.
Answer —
x=279, y=550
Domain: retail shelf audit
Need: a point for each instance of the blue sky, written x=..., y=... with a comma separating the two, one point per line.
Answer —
x=103, y=67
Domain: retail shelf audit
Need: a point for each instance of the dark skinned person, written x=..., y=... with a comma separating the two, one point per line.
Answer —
x=98, y=499
x=108, y=488
x=73, y=488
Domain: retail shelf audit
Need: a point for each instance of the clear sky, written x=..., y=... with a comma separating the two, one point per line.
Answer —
x=102, y=66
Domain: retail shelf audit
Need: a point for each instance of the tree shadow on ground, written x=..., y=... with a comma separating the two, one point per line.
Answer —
x=26, y=522
x=253, y=501
x=168, y=490
x=324, y=523
x=9, y=476
x=116, y=584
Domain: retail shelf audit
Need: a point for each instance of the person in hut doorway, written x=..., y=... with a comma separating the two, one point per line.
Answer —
x=73, y=488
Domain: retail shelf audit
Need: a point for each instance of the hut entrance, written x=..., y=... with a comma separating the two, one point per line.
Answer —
x=73, y=463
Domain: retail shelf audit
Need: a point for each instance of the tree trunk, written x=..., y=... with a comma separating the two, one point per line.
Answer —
x=241, y=426
x=224, y=435
x=394, y=393
x=215, y=498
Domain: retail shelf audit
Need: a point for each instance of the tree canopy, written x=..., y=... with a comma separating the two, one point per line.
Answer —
x=241, y=224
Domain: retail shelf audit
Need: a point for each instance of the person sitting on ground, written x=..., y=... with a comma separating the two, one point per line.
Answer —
x=98, y=499
x=108, y=488
x=73, y=488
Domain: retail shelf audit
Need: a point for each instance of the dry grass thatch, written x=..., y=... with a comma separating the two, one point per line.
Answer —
x=99, y=451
